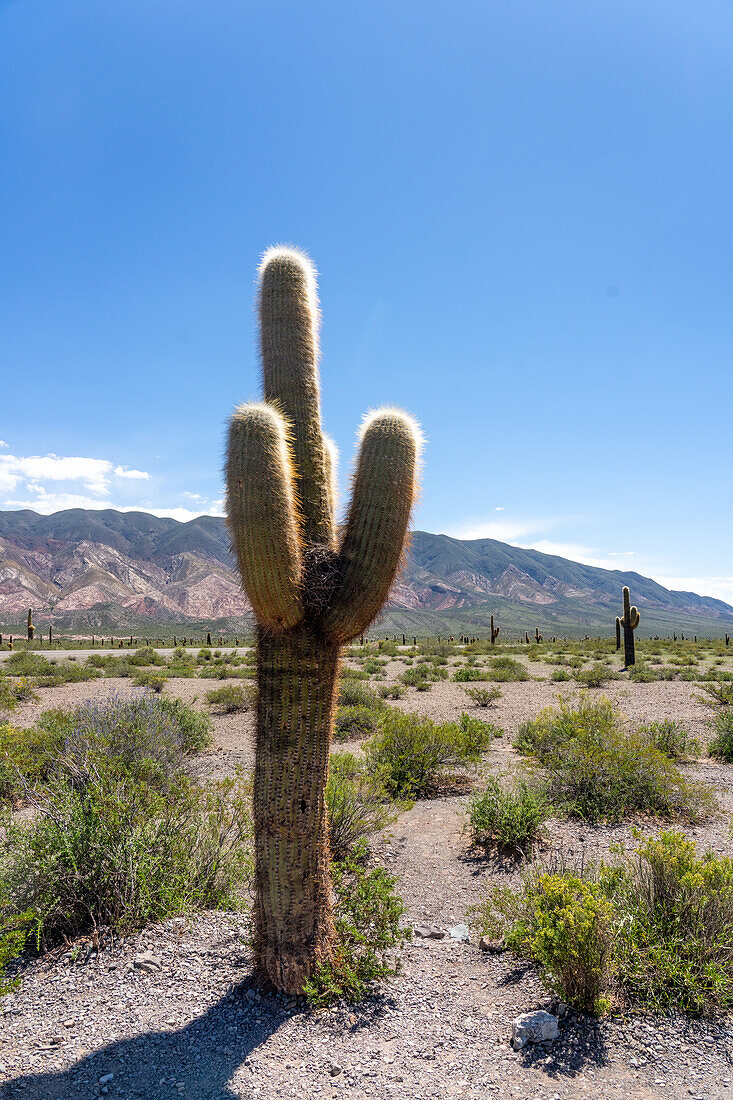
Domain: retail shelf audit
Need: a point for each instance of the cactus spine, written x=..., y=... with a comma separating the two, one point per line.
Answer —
x=31, y=627
x=618, y=633
x=629, y=622
x=311, y=590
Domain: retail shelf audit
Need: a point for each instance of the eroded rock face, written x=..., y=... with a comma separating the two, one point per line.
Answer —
x=534, y=1027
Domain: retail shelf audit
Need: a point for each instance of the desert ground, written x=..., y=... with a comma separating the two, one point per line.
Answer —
x=92, y=1020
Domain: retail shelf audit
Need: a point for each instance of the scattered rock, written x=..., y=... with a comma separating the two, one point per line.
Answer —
x=429, y=932
x=106, y=1079
x=460, y=932
x=534, y=1027
x=494, y=947
x=148, y=962
x=335, y=1069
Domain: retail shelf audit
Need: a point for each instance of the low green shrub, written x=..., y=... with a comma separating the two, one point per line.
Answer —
x=483, y=697
x=391, y=691
x=367, y=914
x=354, y=722
x=507, y=817
x=108, y=849
x=600, y=771
x=146, y=656
x=357, y=802
x=562, y=922
x=45, y=673
x=354, y=693
x=671, y=738
x=469, y=675
x=26, y=758
x=559, y=675
x=506, y=670
x=651, y=929
x=674, y=927
x=414, y=754
x=721, y=745
x=721, y=693
x=150, y=680
x=595, y=676
x=232, y=698
x=640, y=673
x=15, y=691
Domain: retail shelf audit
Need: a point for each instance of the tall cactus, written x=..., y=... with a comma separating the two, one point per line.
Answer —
x=618, y=633
x=312, y=586
x=494, y=631
x=31, y=627
x=629, y=622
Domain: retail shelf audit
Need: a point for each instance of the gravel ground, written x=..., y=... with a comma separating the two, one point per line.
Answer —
x=188, y=1023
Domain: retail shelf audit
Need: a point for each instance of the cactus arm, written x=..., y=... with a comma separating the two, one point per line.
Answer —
x=263, y=516
x=289, y=317
x=635, y=618
x=383, y=495
x=332, y=459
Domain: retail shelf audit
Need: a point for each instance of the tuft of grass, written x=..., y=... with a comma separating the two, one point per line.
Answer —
x=391, y=691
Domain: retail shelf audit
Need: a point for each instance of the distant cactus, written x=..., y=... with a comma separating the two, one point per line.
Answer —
x=629, y=622
x=618, y=633
x=31, y=627
x=312, y=588
x=494, y=631
x=727, y=639
x=537, y=635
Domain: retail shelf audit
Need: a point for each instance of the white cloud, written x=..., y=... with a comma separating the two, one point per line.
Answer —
x=134, y=475
x=504, y=530
x=586, y=555
x=3, y=443
x=721, y=588
x=501, y=508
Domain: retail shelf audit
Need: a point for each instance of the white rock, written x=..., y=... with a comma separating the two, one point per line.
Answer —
x=460, y=932
x=534, y=1027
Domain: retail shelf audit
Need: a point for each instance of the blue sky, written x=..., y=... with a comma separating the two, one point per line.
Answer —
x=521, y=212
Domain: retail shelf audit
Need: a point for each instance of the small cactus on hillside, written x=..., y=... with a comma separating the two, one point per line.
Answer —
x=629, y=622
x=313, y=586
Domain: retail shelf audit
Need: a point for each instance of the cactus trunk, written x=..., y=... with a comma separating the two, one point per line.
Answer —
x=629, y=622
x=312, y=587
x=294, y=927
x=618, y=633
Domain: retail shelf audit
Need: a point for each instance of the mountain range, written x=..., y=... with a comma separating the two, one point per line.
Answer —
x=100, y=571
